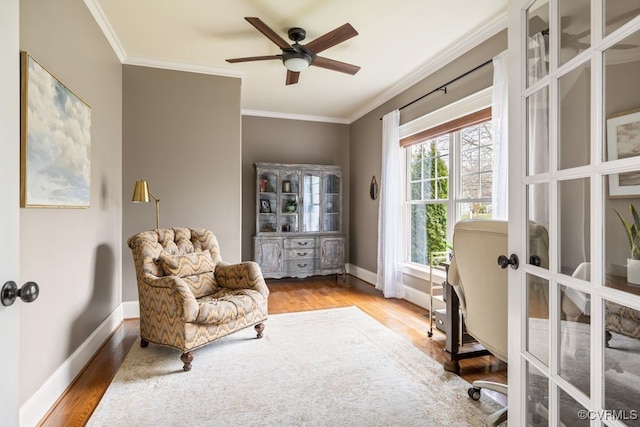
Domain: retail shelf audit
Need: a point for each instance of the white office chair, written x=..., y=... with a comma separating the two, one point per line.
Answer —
x=481, y=286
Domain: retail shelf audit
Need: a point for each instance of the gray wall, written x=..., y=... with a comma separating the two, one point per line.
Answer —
x=181, y=133
x=74, y=254
x=289, y=141
x=366, y=141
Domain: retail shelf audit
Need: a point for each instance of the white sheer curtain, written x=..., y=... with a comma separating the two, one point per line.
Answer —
x=538, y=111
x=500, y=130
x=389, y=279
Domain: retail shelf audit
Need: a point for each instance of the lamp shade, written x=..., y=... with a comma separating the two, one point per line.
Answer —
x=141, y=192
x=295, y=61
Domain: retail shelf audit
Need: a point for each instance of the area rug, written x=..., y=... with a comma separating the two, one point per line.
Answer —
x=335, y=367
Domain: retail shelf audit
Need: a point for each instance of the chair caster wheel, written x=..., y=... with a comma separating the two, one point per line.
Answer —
x=474, y=393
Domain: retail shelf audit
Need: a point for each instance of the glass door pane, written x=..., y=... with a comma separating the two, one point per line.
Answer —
x=574, y=240
x=619, y=272
x=571, y=412
x=575, y=28
x=538, y=33
x=621, y=94
x=622, y=361
x=538, y=313
x=537, y=391
x=331, y=203
x=311, y=202
x=538, y=131
x=574, y=121
x=575, y=338
x=617, y=13
x=267, y=202
x=289, y=201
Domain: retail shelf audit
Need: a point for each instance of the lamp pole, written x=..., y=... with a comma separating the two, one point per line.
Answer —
x=157, y=209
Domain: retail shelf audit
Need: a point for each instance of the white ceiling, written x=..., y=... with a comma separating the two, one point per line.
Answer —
x=398, y=44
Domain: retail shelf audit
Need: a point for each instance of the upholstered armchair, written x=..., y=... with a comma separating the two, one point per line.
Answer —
x=188, y=296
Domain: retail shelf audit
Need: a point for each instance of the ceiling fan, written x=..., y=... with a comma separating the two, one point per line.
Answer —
x=297, y=57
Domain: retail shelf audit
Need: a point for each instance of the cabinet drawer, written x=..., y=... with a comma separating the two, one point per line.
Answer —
x=300, y=253
x=300, y=266
x=441, y=321
x=300, y=243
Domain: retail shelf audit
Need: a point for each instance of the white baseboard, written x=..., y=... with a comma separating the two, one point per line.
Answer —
x=131, y=309
x=37, y=406
x=362, y=274
x=413, y=295
x=417, y=297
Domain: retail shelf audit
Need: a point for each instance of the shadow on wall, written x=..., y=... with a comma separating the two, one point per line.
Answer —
x=99, y=305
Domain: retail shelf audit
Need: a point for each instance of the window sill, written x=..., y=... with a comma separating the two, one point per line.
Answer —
x=423, y=272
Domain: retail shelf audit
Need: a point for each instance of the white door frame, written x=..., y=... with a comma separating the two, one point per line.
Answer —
x=9, y=206
x=517, y=312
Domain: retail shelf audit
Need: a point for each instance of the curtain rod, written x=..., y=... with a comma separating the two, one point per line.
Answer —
x=444, y=86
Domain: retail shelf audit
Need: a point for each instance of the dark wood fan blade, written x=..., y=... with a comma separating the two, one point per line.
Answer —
x=332, y=38
x=292, y=77
x=254, y=58
x=332, y=64
x=269, y=33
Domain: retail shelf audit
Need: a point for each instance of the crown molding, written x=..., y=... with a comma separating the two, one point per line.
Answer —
x=488, y=31
x=289, y=116
x=179, y=66
x=101, y=19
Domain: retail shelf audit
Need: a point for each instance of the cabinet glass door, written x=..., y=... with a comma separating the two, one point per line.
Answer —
x=331, y=206
x=289, y=202
x=311, y=202
x=267, y=202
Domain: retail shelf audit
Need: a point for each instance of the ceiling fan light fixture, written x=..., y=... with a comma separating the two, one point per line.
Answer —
x=296, y=61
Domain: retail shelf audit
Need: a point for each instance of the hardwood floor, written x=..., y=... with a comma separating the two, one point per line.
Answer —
x=77, y=404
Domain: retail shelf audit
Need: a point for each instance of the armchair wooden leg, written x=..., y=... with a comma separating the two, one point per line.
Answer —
x=259, y=329
x=144, y=343
x=187, y=358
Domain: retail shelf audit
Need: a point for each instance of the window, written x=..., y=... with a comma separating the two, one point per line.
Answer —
x=449, y=178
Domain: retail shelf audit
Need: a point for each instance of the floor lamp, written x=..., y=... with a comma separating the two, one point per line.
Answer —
x=141, y=194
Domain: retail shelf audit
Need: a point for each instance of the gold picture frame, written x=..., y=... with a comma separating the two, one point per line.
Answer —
x=55, y=141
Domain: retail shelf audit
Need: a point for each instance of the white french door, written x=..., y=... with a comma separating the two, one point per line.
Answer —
x=9, y=210
x=574, y=347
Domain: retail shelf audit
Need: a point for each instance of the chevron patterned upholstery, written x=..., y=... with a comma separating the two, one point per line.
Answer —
x=188, y=296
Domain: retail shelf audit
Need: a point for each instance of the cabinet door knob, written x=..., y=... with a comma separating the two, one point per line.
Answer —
x=302, y=253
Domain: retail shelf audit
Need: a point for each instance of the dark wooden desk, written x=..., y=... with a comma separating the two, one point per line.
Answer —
x=454, y=350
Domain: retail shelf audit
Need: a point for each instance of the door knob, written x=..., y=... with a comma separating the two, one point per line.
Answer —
x=513, y=261
x=27, y=293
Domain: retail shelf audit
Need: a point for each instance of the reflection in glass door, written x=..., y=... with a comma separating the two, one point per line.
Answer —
x=576, y=93
x=311, y=202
